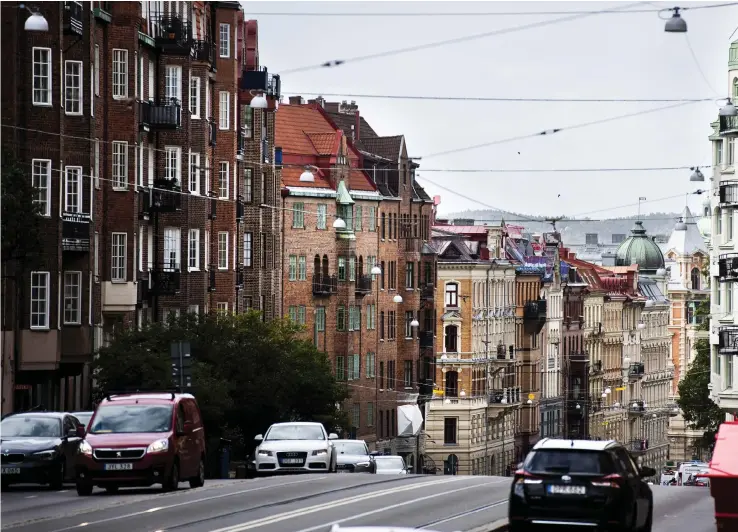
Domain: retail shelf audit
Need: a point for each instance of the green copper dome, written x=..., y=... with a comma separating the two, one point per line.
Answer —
x=640, y=249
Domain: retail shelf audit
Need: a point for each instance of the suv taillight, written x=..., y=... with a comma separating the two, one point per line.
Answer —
x=609, y=481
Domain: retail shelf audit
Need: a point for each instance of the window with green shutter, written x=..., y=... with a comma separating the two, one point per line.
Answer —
x=340, y=368
x=372, y=219
x=298, y=216
x=341, y=318
x=301, y=268
x=301, y=315
x=322, y=216
x=359, y=212
x=356, y=366
x=320, y=319
x=293, y=268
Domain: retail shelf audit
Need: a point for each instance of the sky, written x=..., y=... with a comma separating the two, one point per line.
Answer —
x=607, y=56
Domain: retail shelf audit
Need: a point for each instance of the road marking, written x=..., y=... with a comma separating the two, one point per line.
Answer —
x=186, y=503
x=465, y=514
x=31, y=496
x=333, y=504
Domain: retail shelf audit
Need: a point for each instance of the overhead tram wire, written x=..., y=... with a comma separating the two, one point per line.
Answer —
x=339, y=62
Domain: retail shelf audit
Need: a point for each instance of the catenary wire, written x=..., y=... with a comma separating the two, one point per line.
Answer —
x=698, y=66
x=457, y=40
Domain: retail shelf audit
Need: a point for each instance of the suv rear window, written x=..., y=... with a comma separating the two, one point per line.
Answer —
x=565, y=461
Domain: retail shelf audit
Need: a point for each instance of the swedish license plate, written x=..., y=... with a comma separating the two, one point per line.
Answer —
x=118, y=467
x=11, y=471
x=567, y=490
x=292, y=461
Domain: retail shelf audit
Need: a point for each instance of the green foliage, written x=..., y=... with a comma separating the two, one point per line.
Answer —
x=694, y=397
x=247, y=374
x=20, y=221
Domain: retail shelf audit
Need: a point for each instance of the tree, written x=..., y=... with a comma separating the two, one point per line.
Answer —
x=247, y=373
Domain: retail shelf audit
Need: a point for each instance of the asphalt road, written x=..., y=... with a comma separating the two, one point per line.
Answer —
x=307, y=503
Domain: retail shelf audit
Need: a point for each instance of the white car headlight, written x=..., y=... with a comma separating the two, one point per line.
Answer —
x=320, y=452
x=159, y=446
x=264, y=452
x=84, y=448
x=45, y=455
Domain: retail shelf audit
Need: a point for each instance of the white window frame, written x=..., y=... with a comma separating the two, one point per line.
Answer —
x=40, y=305
x=176, y=171
x=120, y=164
x=248, y=249
x=41, y=180
x=172, y=249
x=224, y=174
x=41, y=95
x=140, y=77
x=73, y=189
x=70, y=74
x=223, y=237
x=248, y=185
x=194, y=184
x=140, y=166
x=96, y=163
x=195, y=83
x=119, y=73
x=72, y=298
x=193, y=250
x=96, y=63
x=173, y=82
x=206, y=261
x=224, y=110
x=119, y=257
x=224, y=40
x=152, y=80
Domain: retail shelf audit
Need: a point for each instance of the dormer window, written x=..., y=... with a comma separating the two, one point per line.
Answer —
x=452, y=295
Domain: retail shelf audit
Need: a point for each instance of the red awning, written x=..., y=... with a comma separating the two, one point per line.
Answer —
x=724, y=463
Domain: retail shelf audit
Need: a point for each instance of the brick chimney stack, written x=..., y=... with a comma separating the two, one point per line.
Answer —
x=295, y=100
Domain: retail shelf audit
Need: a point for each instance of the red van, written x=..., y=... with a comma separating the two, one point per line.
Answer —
x=141, y=439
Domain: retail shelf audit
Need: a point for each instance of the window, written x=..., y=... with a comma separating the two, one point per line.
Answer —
x=293, y=268
x=696, y=285
x=73, y=87
x=340, y=368
x=369, y=365
x=193, y=260
x=322, y=216
x=352, y=269
x=224, y=110
x=207, y=250
x=341, y=318
x=223, y=179
x=118, y=257
x=391, y=375
x=408, y=374
x=222, y=307
x=301, y=268
x=172, y=163
x=223, y=250
x=729, y=224
x=452, y=295
x=410, y=275
x=224, y=42
x=248, y=185
x=73, y=189
x=172, y=246
x=248, y=251
x=140, y=78
x=96, y=164
x=371, y=317
x=301, y=314
x=72, y=298
x=391, y=325
x=263, y=247
x=140, y=166
x=354, y=367
x=194, y=173
x=320, y=319
x=449, y=430
x=40, y=300
x=173, y=82
x=120, y=74
x=408, y=321
x=341, y=268
x=452, y=338
x=41, y=76
x=358, y=213
x=298, y=216
x=41, y=181
x=195, y=98
x=718, y=152
x=372, y=219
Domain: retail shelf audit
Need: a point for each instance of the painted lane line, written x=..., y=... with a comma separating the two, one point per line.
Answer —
x=398, y=505
x=333, y=504
x=186, y=503
x=465, y=514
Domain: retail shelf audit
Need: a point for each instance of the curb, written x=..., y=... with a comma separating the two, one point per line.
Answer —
x=497, y=526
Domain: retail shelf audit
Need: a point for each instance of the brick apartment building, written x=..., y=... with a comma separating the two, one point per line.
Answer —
x=350, y=203
x=127, y=121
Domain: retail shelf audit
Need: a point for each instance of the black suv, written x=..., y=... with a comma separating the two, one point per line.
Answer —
x=581, y=483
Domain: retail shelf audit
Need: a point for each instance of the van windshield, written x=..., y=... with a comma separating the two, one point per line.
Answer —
x=118, y=419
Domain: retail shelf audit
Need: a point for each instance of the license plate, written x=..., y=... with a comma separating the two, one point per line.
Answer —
x=118, y=467
x=11, y=471
x=292, y=461
x=567, y=490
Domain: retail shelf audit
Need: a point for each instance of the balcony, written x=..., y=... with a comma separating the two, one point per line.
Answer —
x=534, y=316
x=172, y=35
x=119, y=297
x=324, y=285
x=728, y=340
x=426, y=339
x=503, y=354
x=166, y=113
x=428, y=293
x=73, y=18
x=164, y=196
x=729, y=192
x=595, y=403
x=363, y=285
x=637, y=446
x=636, y=408
x=203, y=50
x=76, y=232
x=505, y=397
x=729, y=125
x=457, y=403
x=596, y=367
x=728, y=267
x=253, y=81
x=636, y=371
x=165, y=281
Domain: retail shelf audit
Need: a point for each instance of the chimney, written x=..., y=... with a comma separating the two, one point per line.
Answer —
x=295, y=100
x=331, y=107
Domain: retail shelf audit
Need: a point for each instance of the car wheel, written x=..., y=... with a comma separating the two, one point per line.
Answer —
x=518, y=527
x=649, y=520
x=172, y=482
x=199, y=480
x=334, y=466
x=111, y=489
x=84, y=488
x=57, y=477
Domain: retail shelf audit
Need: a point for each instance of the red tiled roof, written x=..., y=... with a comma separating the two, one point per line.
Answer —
x=291, y=178
x=358, y=180
x=463, y=229
x=324, y=143
x=292, y=123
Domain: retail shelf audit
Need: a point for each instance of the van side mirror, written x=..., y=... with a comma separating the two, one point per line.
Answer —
x=72, y=433
x=81, y=431
x=259, y=438
x=647, y=471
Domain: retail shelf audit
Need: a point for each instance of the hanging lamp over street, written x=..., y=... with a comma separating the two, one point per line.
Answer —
x=676, y=24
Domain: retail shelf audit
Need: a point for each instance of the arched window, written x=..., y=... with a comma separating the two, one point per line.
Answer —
x=316, y=265
x=451, y=339
x=361, y=266
x=452, y=294
x=695, y=279
x=325, y=265
x=735, y=89
x=452, y=384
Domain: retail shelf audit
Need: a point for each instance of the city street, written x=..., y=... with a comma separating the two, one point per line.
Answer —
x=308, y=503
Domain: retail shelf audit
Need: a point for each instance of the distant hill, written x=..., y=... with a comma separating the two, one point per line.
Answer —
x=573, y=231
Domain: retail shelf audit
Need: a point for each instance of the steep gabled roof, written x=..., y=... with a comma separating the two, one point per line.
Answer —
x=387, y=147
x=344, y=121
x=293, y=123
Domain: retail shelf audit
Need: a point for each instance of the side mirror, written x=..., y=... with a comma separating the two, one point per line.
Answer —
x=333, y=436
x=519, y=466
x=375, y=453
x=647, y=471
x=72, y=433
x=259, y=438
x=81, y=431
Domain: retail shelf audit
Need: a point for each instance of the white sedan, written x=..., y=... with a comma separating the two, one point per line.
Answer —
x=295, y=447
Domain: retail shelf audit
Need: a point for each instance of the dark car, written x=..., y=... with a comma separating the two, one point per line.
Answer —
x=581, y=483
x=39, y=448
x=142, y=439
x=353, y=457
x=83, y=417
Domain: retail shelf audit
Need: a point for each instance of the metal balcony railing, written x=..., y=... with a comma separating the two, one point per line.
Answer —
x=73, y=18
x=638, y=446
x=75, y=232
x=729, y=192
x=505, y=396
x=203, y=50
x=324, y=285
x=596, y=367
x=172, y=34
x=363, y=284
x=637, y=407
x=164, y=196
x=165, y=281
x=427, y=292
x=728, y=125
x=728, y=340
x=535, y=310
x=636, y=370
x=728, y=267
x=426, y=339
x=165, y=113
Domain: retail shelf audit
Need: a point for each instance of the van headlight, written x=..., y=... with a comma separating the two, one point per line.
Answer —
x=158, y=446
x=84, y=448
